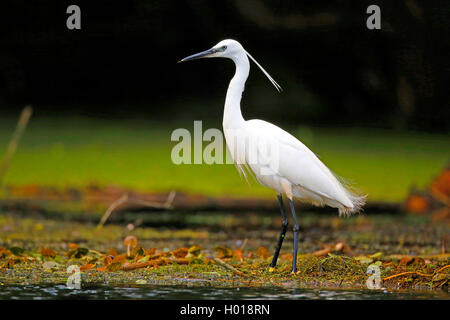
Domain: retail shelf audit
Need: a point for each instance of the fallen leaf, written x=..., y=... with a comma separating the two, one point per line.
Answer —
x=77, y=253
x=287, y=256
x=4, y=252
x=122, y=258
x=417, y=204
x=364, y=259
x=137, y=251
x=47, y=252
x=237, y=254
x=376, y=255
x=180, y=253
x=115, y=266
x=73, y=246
x=223, y=252
x=113, y=252
x=144, y=259
x=8, y=264
x=194, y=251
x=86, y=267
x=107, y=260
x=17, y=251
x=262, y=253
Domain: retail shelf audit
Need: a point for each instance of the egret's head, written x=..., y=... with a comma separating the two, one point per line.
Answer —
x=225, y=49
x=229, y=49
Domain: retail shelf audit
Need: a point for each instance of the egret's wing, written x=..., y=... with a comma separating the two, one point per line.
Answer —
x=299, y=165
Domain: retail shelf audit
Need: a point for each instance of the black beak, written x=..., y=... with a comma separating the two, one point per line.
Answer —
x=199, y=55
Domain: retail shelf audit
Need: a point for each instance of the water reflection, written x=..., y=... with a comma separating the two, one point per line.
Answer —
x=40, y=292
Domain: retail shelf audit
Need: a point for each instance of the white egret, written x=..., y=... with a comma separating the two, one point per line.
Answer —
x=274, y=157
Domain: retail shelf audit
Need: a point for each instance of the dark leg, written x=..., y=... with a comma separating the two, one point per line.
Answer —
x=282, y=234
x=296, y=229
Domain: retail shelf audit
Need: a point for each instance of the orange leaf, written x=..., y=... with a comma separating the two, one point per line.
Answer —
x=113, y=252
x=441, y=185
x=107, y=260
x=224, y=252
x=73, y=246
x=262, y=252
x=120, y=258
x=417, y=204
x=8, y=263
x=46, y=252
x=115, y=266
x=180, y=253
x=87, y=266
x=237, y=254
x=286, y=256
x=4, y=252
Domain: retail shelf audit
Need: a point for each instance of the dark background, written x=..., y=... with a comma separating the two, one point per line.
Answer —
x=334, y=71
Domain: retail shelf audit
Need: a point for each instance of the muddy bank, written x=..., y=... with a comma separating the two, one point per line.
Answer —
x=93, y=201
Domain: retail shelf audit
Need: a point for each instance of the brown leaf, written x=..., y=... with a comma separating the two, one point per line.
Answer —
x=237, y=254
x=4, y=252
x=73, y=246
x=262, y=253
x=115, y=266
x=137, y=252
x=287, y=256
x=441, y=185
x=87, y=266
x=224, y=252
x=113, y=252
x=411, y=260
x=47, y=252
x=8, y=264
x=120, y=258
x=194, y=251
x=180, y=253
x=417, y=204
x=107, y=260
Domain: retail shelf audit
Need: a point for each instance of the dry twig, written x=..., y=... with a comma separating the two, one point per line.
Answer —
x=228, y=267
x=126, y=199
x=417, y=273
x=14, y=142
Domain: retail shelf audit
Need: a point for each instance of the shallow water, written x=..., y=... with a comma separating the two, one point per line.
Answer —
x=47, y=292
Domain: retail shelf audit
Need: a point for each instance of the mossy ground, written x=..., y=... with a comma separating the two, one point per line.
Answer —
x=231, y=256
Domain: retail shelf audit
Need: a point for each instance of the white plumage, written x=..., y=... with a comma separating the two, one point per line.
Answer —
x=277, y=159
x=300, y=173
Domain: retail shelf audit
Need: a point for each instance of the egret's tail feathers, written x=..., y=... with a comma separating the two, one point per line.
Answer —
x=358, y=201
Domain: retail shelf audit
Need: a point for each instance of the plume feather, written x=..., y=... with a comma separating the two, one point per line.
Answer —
x=275, y=84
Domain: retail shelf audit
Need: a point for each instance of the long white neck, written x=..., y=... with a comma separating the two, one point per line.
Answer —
x=232, y=116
